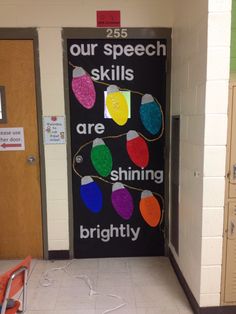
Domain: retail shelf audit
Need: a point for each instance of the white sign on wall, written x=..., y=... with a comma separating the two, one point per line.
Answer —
x=12, y=139
x=54, y=130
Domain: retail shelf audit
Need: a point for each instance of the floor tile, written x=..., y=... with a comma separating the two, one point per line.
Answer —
x=109, y=280
x=114, y=265
x=74, y=299
x=62, y=312
x=186, y=311
x=115, y=296
x=83, y=278
x=122, y=310
x=155, y=296
x=42, y=298
x=155, y=310
x=147, y=285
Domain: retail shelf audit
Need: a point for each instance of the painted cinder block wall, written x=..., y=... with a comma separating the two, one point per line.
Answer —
x=198, y=93
x=189, y=58
x=200, y=73
x=215, y=140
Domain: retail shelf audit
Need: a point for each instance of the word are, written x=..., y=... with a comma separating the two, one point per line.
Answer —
x=106, y=234
x=84, y=128
x=137, y=175
x=117, y=50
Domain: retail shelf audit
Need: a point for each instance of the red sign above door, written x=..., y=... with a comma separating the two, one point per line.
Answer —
x=108, y=18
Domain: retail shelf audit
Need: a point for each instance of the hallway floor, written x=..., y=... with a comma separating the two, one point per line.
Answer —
x=147, y=285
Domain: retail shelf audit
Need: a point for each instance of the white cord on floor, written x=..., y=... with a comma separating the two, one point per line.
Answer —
x=46, y=281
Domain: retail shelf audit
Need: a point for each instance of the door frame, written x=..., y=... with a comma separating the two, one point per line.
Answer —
x=100, y=33
x=228, y=199
x=32, y=34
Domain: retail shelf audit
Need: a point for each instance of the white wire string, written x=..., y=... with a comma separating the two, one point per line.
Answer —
x=46, y=281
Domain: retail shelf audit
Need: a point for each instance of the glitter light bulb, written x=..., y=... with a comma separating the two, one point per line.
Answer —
x=150, y=208
x=137, y=149
x=150, y=114
x=122, y=201
x=117, y=105
x=101, y=157
x=83, y=88
x=91, y=194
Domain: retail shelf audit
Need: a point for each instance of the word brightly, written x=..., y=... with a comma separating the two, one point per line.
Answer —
x=117, y=50
x=106, y=234
x=137, y=175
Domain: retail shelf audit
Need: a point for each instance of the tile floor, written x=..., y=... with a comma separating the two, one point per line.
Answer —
x=147, y=285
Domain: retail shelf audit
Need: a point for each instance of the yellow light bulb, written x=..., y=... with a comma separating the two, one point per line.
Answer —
x=117, y=105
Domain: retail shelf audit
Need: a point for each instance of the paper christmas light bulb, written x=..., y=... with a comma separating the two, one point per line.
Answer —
x=101, y=157
x=117, y=105
x=137, y=149
x=150, y=208
x=83, y=88
x=150, y=114
x=91, y=194
x=122, y=201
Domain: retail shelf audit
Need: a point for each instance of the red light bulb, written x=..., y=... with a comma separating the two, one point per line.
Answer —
x=137, y=149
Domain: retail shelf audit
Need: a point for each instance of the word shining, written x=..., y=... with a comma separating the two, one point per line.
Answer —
x=137, y=175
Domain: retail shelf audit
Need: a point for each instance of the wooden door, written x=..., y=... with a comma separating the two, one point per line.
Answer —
x=20, y=194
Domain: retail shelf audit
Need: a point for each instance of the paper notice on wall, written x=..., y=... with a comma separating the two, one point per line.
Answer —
x=12, y=139
x=54, y=130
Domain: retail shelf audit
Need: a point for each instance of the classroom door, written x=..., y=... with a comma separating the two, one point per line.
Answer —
x=118, y=102
x=20, y=194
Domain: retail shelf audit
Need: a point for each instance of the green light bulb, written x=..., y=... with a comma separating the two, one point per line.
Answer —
x=101, y=157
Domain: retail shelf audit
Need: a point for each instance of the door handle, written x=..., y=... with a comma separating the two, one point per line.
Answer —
x=234, y=172
x=31, y=159
x=232, y=227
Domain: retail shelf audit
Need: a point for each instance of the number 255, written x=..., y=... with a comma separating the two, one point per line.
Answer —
x=117, y=32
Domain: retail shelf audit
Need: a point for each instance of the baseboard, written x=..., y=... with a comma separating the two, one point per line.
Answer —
x=184, y=284
x=195, y=307
x=60, y=254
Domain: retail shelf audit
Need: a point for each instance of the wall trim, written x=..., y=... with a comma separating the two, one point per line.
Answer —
x=195, y=307
x=60, y=254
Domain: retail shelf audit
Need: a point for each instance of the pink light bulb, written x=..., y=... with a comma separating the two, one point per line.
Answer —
x=83, y=88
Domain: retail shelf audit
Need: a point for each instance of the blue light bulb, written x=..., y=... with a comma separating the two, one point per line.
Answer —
x=150, y=114
x=91, y=194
